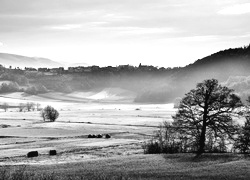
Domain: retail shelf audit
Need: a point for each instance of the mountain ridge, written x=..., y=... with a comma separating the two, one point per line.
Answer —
x=21, y=61
x=220, y=65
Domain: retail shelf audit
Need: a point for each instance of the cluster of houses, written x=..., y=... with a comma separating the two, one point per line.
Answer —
x=89, y=69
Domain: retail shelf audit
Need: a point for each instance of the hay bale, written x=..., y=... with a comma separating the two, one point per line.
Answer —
x=107, y=136
x=99, y=136
x=52, y=152
x=32, y=154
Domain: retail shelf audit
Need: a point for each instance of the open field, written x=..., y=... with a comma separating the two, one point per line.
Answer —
x=129, y=125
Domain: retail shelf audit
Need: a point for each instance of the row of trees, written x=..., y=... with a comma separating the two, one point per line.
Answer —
x=204, y=122
x=48, y=113
x=22, y=107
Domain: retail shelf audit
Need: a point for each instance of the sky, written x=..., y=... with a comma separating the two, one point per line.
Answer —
x=163, y=33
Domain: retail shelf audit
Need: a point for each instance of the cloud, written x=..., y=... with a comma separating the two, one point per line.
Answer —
x=200, y=38
x=236, y=9
x=67, y=27
x=141, y=31
x=32, y=24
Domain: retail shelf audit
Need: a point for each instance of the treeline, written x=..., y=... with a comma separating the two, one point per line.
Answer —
x=22, y=107
x=12, y=82
x=142, y=83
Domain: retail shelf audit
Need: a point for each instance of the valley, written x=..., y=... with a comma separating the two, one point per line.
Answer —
x=128, y=124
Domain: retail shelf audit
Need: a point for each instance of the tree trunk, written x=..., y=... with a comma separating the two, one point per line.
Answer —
x=202, y=139
x=204, y=127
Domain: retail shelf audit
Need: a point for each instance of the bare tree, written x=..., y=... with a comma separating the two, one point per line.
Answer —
x=209, y=107
x=5, y=106
x=38, y=106
x=30, y=106
x=21, y=107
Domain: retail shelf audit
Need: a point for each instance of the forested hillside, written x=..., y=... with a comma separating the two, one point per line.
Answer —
x=151, y=84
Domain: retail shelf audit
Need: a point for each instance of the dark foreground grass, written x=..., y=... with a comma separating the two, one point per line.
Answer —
x=175, y=166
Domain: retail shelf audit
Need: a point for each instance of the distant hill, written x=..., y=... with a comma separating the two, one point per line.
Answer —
x=147, y=84
x=221, y=65
x=76, y=64
x=231, y=65
x=23, y=61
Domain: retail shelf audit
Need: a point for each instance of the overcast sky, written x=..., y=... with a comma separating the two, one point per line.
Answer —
x=113, y=32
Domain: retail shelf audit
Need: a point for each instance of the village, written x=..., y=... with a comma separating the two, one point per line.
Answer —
x=88, y=69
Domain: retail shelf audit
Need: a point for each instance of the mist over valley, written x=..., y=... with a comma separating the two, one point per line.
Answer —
x=144, y=83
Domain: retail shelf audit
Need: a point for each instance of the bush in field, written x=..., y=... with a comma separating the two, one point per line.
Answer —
x=166, y=140
x=49, y=113
x=152, y=147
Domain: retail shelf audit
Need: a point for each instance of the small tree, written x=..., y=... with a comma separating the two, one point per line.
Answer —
x=5, y=106
x=49, y=113
x=38, y=105
x=30, y=106
x=208, y=108
x=21, y=107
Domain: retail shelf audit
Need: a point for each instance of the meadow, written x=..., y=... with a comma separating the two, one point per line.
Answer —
x=79, y=157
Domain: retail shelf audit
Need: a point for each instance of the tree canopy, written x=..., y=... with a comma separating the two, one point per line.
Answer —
x=49, y=113
x=208, y=108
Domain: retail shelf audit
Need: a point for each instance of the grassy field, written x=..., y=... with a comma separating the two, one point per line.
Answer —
x=79, y=157
x=175, y=166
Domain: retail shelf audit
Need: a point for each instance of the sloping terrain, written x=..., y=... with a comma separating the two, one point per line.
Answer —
x=150, y=167
x=23, y=61
x=221, y=65
x=143, y=85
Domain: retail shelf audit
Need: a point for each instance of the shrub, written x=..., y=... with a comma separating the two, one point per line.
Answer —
x=152, y=147
x=166, y=140
x=49, y=113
